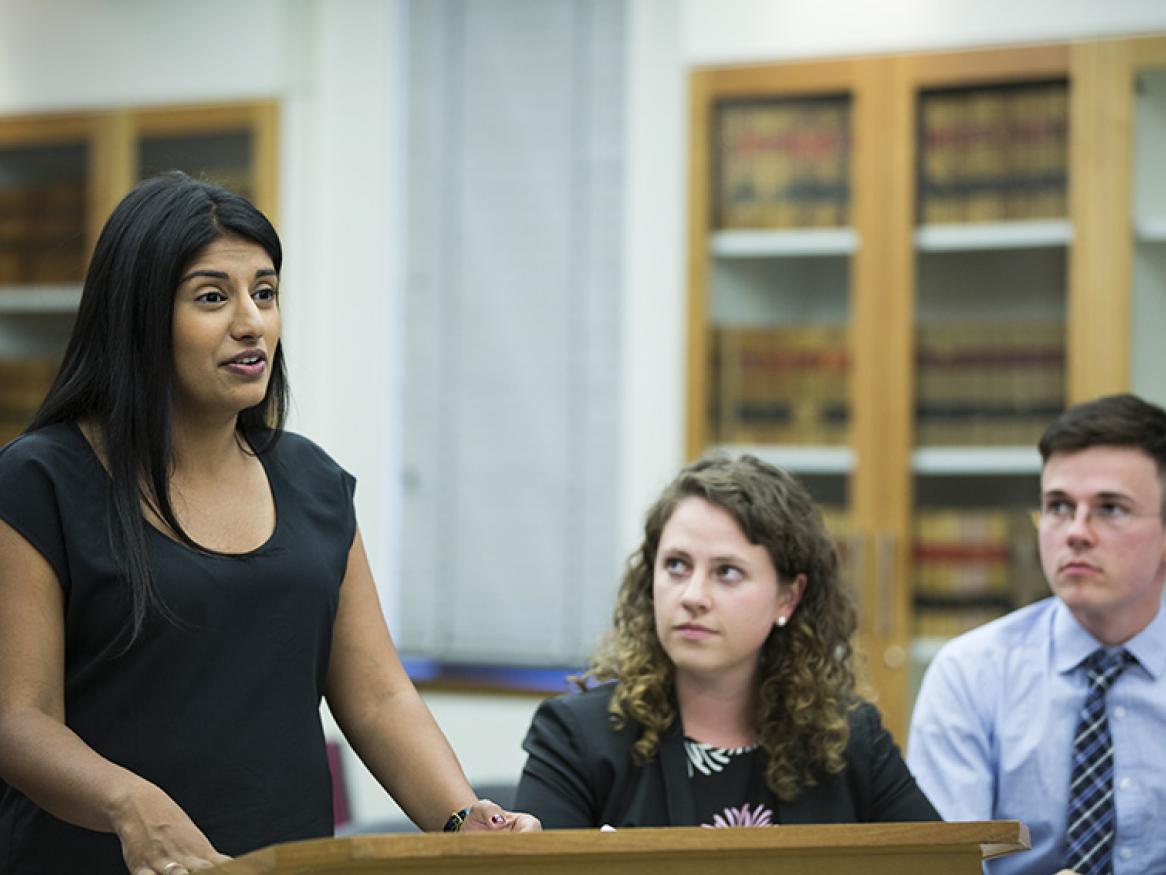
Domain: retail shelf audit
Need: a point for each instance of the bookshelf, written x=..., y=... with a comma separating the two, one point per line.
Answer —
x=966, y=282
x=48, y=185
x=33, y=299
x=1015, y=234
x=806, y=460
x=60, y=176
x=990, y=267
x=975, y=460
x=786, y=242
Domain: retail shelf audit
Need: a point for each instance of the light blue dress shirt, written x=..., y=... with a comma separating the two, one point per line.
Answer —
x=992, y=734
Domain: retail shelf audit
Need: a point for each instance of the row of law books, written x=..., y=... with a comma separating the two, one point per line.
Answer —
x=970, y=566
x=988, y=384
x=979, y=384
x=42, y=233
x=994, y=153
x=23, y=385
x=783, y=164
x=780, y=385
x=947, y=622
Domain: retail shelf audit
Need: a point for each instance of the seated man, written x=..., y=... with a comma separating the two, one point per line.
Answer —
x=1055, y=714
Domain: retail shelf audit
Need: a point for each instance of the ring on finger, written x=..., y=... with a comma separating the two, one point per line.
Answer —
x=170, y=867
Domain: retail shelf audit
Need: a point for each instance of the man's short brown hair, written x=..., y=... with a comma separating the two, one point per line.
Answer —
x=1110, y=421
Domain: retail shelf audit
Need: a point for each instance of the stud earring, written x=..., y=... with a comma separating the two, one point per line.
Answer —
x=781, y=621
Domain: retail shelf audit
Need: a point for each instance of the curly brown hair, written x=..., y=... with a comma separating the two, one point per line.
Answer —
x=807, y=676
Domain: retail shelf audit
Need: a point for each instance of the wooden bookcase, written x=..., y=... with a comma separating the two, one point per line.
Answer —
x=61, y=175
x=1061, y=265
x=1125, y=208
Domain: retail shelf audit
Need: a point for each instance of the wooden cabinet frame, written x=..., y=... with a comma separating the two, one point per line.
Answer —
x=113, y=136
x=260, y=119
x=1101, y=151
x=882, y=293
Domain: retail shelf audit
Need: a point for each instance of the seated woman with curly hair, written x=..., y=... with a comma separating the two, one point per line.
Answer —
x=726, y=689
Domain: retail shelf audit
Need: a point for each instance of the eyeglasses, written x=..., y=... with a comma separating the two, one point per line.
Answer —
x=1056, y=513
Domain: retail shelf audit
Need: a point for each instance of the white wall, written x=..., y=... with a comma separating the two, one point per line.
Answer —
x=341, y=163
x=655, y=213
x=723, y=31
x=76, y=54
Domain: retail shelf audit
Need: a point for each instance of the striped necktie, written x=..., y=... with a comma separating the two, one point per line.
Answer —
x=1092, y=822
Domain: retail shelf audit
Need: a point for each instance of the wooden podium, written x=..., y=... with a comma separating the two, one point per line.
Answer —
x=866, y=848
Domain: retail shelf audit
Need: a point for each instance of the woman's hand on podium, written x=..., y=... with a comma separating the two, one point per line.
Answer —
x=485, y=816
x=157, y=836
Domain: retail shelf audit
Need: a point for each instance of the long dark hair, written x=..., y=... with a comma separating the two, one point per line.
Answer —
x=117, y=371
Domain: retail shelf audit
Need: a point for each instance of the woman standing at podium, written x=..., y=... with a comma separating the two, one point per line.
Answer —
x=731, y=688
x=181, y=581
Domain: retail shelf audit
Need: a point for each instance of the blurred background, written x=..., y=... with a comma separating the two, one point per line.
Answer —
x=539, y=253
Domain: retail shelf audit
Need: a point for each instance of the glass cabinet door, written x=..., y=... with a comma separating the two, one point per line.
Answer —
x=232, y=145
x=222, y=157
x=991, y=282
x=44, y=210
x=986, y=237
x=1148, y=187
x=770, y=330
x=779, y=284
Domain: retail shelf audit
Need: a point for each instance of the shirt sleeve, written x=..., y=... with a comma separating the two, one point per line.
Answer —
x=28, y=502
x=950, y=746
x=554, y=786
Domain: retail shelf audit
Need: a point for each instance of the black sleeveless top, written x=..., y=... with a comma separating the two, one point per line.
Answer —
x=222, y=710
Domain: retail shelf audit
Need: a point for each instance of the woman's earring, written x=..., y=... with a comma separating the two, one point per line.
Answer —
x=781, y=621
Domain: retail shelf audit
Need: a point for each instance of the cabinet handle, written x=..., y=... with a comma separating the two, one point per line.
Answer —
x=895, y=656
x=855, y=569
x=884, y=589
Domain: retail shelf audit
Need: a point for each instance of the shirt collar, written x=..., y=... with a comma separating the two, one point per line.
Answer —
x=1071, y=643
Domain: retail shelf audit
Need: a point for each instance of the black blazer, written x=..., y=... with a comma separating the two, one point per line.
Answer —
x=579, y=773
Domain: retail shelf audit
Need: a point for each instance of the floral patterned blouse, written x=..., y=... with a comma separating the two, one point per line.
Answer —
x=728, y=784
